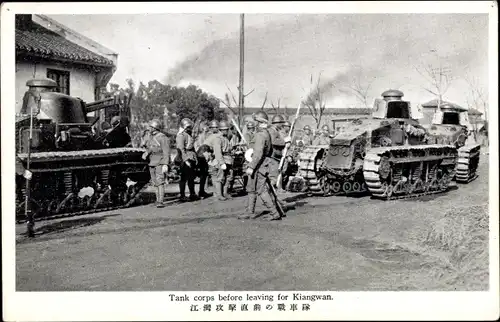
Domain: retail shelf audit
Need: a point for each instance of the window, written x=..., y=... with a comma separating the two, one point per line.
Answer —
x=61, y=77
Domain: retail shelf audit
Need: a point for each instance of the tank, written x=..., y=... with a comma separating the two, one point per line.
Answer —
x=450, y=125
x=76, y=165
x=386, y=155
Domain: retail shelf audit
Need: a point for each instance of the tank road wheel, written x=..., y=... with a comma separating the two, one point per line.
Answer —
x=346, y=187
x=325, y=187
x=443, y=182
x=389, y=191
x=336, y=186
x=356, y=187
x=384, y=169
x=52, y=207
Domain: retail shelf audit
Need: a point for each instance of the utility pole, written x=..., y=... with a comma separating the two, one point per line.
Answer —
x=242, y=65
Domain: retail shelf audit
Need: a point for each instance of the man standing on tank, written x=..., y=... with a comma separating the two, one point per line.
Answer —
x=324, y=136
x=158, y=151
x=185, y=145
x=307, y=137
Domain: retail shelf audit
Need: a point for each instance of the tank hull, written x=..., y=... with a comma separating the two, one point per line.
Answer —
x=113, y=179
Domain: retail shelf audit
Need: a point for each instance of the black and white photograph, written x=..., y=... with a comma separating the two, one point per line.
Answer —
x=239, y=160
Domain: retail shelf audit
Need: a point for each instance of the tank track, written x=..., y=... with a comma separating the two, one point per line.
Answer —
x=468, y=160
x=317, y=180
x=308, y=164
x=407, y=172
x=116, y=176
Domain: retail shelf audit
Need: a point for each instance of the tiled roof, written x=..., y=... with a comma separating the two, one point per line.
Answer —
x=51, y=45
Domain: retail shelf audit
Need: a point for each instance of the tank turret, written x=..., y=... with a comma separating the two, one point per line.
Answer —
x=68, y=153
x=61, y=121
x=450, y=125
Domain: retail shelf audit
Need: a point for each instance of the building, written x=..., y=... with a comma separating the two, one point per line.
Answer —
x=335, y=118
x=429, y=108
x=45, y=48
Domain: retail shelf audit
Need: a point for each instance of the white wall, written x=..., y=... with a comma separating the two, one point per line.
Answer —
x=82, y=81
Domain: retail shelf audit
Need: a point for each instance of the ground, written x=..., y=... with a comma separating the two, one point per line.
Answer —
x=325, y=243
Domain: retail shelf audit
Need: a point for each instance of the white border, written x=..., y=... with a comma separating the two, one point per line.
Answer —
x=34, y=306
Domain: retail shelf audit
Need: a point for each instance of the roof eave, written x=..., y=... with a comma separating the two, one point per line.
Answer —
x=31, y=54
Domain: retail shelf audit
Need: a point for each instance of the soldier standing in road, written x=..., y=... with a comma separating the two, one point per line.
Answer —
x=202, y=162
x=227, y=148
x=158, y=150
x=222, y=160
x=247, y=143
x=185, y=145
x=324, y=136
x=202, y=136
x=259, y=169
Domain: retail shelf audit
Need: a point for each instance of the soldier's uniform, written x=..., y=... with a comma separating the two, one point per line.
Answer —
x=117, y=136
x=261, y=167
x=222, y=159
x=324, y=136
x=202, y=163
x=202, y=136
x=307, y=137
x=185, y=146
x=158, y=151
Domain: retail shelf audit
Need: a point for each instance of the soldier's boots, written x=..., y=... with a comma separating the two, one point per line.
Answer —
x=160, y=192
x=250, y=211
x=226, y=193
x=218, y=191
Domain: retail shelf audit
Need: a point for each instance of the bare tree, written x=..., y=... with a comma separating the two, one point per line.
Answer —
x=360, y=87
x=234, y=107
x=315, y=101
x=438, y=78
x=477, y=98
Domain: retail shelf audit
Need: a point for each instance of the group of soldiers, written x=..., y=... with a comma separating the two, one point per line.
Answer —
x=211, y=154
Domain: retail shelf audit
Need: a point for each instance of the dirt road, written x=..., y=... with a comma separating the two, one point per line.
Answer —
x=334, y=243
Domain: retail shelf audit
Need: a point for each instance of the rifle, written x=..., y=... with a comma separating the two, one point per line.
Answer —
x=285, y=151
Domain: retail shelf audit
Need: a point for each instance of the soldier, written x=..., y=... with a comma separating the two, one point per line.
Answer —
x=227, y=148
x=117, y=136
x=219, y=166
x=258, y=171
x=323, y=137
x=307, y=138
x=158, y=150
x=185, y=146
x=202, y=136
x=202, y=162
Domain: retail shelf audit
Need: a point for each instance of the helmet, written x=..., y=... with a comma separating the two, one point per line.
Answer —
x=223, y=125
x=105, y=126
x=261, y=117
x=307, y=127
x=325, y=128
x=115, y=121
x=185, y=123
x=278, y=119
x=156, y=124
x=250, y=125
x=213, y=124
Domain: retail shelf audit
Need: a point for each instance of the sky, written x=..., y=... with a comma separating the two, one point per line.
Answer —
x=282, y=51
